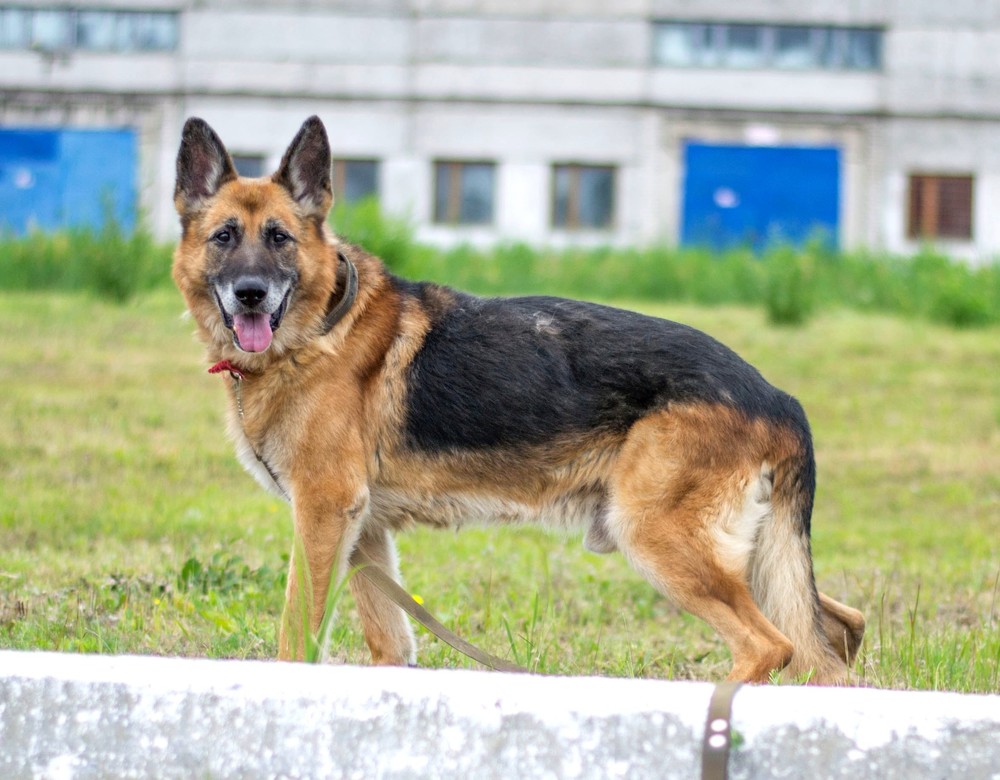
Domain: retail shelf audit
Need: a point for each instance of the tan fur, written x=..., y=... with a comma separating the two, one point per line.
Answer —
x=689, y=494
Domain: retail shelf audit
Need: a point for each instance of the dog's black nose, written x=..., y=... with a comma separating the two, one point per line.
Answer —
x=250, y=290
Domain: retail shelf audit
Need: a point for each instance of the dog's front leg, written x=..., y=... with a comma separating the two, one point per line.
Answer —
x=327, y=525
x=387, y=631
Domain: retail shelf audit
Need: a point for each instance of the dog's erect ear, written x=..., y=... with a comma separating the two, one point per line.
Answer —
x=305, y=169
x=203, y=165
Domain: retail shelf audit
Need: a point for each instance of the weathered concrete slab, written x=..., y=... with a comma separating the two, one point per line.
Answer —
x=65, y=716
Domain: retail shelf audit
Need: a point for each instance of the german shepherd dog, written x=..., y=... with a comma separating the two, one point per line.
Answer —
x=371, y=403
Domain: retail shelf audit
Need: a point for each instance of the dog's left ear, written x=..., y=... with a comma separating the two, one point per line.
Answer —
x=305, y=169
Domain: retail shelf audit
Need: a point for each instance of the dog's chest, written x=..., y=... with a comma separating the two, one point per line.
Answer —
x=254, y=461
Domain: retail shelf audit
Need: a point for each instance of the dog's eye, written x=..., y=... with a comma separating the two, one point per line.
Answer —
x=222, y=237
x=279, y=237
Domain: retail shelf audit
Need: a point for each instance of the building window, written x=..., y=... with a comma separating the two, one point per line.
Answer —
x=97, y=30
x=685, y=45
x=149, y=31
x=463, y=192
x=51, y=30
x=583, y=196
x=64, y=29
x=795, y=47
x=249, y=165
x=15, y=28
x=781, y=46
x=940, y=207
x=354, y=180
x=744, y=46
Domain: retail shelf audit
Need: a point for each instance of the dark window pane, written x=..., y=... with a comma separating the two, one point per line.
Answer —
x=152, y=32
x=477, y=194
x=914, y=225
x=97, y=30
x=50, y=30
x=596, y=197
x=794, y=48
x=15, y=28
x=955, y=207
x=360, y=179
x=744, y=46
x=683, y=44
x=442, y=189
x=863, y=50
x=251, y=165
x=842, y=48
x=560, y=196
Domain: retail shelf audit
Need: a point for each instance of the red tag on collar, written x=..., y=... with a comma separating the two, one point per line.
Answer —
x=225, y=365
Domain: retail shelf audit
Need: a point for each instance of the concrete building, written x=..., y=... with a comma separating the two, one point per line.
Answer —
x=549, y=121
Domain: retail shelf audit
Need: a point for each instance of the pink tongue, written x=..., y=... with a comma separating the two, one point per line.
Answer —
x=253, y=331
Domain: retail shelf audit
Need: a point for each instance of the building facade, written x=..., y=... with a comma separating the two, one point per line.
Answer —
x=871, y=122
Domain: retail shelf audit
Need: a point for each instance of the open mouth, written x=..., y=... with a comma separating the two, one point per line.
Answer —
x=253, y=331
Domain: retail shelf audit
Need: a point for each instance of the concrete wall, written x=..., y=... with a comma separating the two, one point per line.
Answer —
x=65, y=716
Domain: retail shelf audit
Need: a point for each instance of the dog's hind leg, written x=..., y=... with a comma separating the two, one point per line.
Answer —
x=678, y=563
x=386, y=629
x=681, y=517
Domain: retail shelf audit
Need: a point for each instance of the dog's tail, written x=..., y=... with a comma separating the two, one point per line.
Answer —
x=825, y=634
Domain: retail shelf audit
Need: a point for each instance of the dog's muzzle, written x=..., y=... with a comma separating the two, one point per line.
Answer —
x=252, y=307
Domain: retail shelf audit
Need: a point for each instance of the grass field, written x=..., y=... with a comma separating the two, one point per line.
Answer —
x=126, y=525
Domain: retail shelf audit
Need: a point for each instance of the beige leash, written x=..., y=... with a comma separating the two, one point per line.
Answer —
x=718, y=738
x=377, y=576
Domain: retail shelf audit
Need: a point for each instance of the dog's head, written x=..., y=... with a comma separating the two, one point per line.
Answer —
x=254, y=253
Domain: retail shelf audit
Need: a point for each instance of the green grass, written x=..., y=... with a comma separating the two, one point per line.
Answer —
x=127, y=526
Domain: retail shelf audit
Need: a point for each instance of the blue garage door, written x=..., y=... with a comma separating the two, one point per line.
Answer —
x=57, y=178
x=755, y=195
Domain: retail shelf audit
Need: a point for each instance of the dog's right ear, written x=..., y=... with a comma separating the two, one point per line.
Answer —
x=203, y=166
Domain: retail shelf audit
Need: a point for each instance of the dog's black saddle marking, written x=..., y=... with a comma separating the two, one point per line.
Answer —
x=505, y=373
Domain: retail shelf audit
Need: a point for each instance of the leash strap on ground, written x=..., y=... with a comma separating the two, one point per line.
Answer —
x=392, y=590
x=718, y=732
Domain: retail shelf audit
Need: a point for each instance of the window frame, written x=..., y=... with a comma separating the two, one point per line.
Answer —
x=453, y=209
x=574, y=169
x=339, y=181
x=926, y=211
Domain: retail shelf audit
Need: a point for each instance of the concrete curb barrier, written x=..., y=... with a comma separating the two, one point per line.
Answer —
x=66, y=716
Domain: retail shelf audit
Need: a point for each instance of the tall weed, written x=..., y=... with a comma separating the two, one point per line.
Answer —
x=789, y=295
x=109, y=262
x=365, y=224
